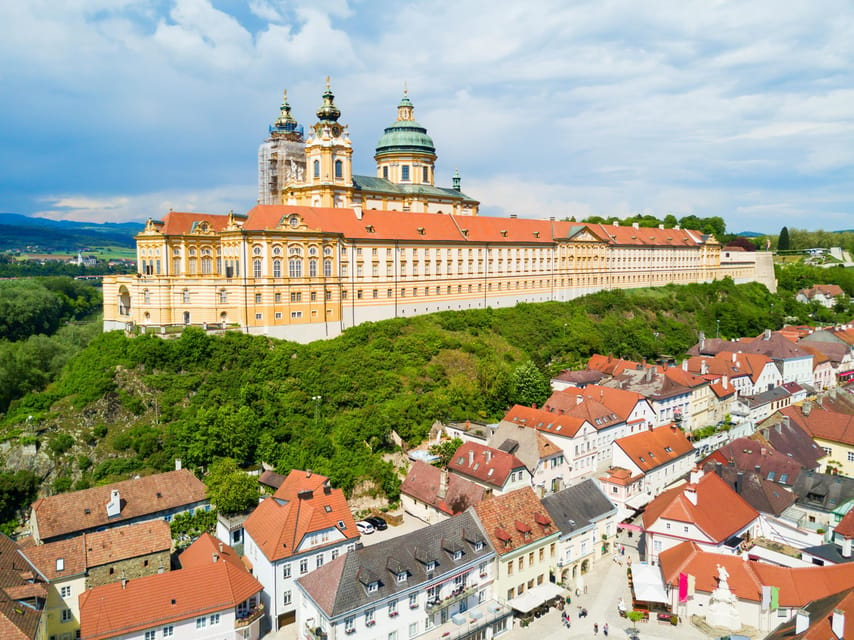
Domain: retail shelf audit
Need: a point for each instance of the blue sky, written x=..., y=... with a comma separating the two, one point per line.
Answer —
x=118, y=110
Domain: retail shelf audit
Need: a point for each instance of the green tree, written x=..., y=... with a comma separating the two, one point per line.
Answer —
x=529, y=385
x=231, y=490
x=445, y=450
x=783, y=243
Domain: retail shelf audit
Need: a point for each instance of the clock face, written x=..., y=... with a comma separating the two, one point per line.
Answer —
x=336, y=131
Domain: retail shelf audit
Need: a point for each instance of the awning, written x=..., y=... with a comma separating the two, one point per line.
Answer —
x=638, y=501
x=630, y=527
x=534, y=597
x=648, y=584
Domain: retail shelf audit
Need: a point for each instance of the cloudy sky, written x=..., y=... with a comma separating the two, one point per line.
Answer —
x=117, y=110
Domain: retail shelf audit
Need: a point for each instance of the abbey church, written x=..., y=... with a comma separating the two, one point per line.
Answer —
x=325, y=249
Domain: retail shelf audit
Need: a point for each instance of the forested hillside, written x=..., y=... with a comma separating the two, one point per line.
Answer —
x=132, y=405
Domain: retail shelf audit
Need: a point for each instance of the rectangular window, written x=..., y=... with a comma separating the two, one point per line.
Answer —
x=286, y=571
x=257, y=298
x=318, y=561
x=286, y=598
x=223, y=296
x=296, y=314
x=214, y=619
x=258, y=316
x=66, y=616
x=851, y=456
x=150, y=635
x=425, y=175
x=65, y=591
x=404, y=172
x=413, y=629
x=201, y=623
x=168, y=631
x=314, y=296
x=303, y=566
x=278, y=315
x=413, y=600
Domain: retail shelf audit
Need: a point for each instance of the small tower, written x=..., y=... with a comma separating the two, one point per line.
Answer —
x=456, y=180
x=328, y=155
x=405, y=153
x=281, y=157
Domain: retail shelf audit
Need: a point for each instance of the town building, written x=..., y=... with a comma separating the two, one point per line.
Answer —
x=70, y=566
x=544, y=460
x=643, y=464
x=326, y=249
x=832, y=431
x=216, y=599
x=823, y=294
x=22, y=599
x=525, y=539
x=747, y=454
x=495, y=470
x=587, y=520
x=432, y=494
x=156, y=497
x=821, y=500
x=831, y=618
x=421, y=584
x=304, y=525
x=706, y=511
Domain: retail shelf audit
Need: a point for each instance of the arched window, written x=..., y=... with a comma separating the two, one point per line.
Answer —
x=146, y=296
x=312, y=268
x=256, y=268
x=327, y=268
x=385, y=173
x=124, y=301
x=316, y=168
x=277, y=268
x=404, y=172
x=339, y=169
x=185, y=296
x=295, y=268
x=277, y=250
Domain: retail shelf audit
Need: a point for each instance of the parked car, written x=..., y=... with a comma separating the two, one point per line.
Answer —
x=364, y=527
x=379, y=523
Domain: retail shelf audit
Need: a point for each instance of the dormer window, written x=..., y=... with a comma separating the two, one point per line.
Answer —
x=431, y=566
x=478, y=545
x=458, y=555
x=373, y=587
x=341, y=525
x=402, y=576
x=421, y=231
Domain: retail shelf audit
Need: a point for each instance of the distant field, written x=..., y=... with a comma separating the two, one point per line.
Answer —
x=102, y=253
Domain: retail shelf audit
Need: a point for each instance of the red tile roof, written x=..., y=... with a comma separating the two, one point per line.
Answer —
x=18, y=621
x=501, y=517
x=845, y=527
x=179, y=223
x=422, y=483
x=559, y=425
x=88, y=550
x=797, y=586
x=164, y=598
x=647, y=236
x=302, y=505
x=652, y=449
x=617, y=401
x=746, y=454
x=719, y=513
x=203, y=550
x=484, y=464
x=68, y=513
x=824, y=424
x=827, y=290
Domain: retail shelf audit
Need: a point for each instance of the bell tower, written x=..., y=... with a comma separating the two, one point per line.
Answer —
x=281, y=157
x=328, y=158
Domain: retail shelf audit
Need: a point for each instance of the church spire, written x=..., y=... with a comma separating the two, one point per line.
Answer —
x=328, y=112
x=404, y=107
x=285, y=121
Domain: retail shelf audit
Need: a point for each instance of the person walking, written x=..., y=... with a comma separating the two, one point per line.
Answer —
x=605, y=629
x=595, y=628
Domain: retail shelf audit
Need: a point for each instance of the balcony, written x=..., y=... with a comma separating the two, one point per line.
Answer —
x=460, y=593
x=245, y=618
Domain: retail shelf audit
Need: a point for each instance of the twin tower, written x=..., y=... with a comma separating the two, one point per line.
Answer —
x=316, y=170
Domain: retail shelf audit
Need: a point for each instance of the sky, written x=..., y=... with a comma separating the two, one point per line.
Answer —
x=118, y=110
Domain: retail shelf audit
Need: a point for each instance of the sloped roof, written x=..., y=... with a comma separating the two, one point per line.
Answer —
x=846, y=525
x=820, y=619
x=423, y=482
x=68, y=513
x=302, y=505
x=745, y=454
x=787, y=437
x=827, y=290
x=798, y=586
x=545, y=421
x=653, y=448
x=823, y=423
x=181, y=222
x=610, y=365
x=822, y=490
x=121, y=608
x=584, y=376
x=17, y=621
x=650, y=382
x=202, y=552
x=578, y=506
x=526, y=444
x=89, y=550
x=339, y=586
x=511, y=521
x=719, y=512
x=485, y=464
x=619, y=401
x=761, y=494
x=647, y=236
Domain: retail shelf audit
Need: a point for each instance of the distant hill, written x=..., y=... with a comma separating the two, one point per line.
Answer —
x=750, y=234
x=18, y=232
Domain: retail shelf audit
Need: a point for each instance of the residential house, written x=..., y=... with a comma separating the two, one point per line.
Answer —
x=579, y=379
x=786, y=436
x=702, y=404
x=789, y=359
x=832, y=431
x=643, y=464
x=761, y=405
x=746, y=454
x=544, y=459
x=421, y=584
x=838, y=344
x=823, y=294
x=838, y=549
x=493, y=469
x=706, y=511
x=70, y=566
x=821, y=500
x=305, y=524
x=670, y=400
x=22, y=597
x=795, y=363
x=432, y=494
x=829, y=618
x=826, y=360
x=793, y=588
x=723, y=366
x=214, y=600
x=525, y=539
x=156, y=497
x=575, y=436
x=587, y=520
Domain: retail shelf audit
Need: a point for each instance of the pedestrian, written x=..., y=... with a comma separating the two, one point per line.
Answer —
x=595, y=628
x=605, y=629
x=622, y=550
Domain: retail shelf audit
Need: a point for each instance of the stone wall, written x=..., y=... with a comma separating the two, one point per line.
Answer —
x=132, y=568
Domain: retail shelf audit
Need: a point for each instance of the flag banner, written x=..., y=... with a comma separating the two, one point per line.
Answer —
x=775, y=598
x=683, y=587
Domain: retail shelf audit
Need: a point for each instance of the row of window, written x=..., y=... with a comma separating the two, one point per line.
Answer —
x=167, y=631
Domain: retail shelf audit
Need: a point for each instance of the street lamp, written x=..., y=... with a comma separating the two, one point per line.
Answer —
x=717, y=328
x=317, y=400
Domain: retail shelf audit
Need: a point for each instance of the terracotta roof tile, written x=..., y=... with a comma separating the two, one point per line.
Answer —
x=17, y=621
x=500, y=517
x=302, y=505
x=203, y=550
x=69, y=513
x=423, y=481
x=824, y=424
x=152, y=601
x=545, y=421
x=484, y=464
x=845, y=527
x=652, y=449
x=618, y=401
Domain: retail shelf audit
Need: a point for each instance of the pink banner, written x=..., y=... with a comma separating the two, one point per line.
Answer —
x=683, y=587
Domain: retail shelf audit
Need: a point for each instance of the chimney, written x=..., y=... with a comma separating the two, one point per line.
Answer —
x=220, y=547
x=635, y=225
x=802, y=621
x=327, y=487
x=215, y=557
x=177, y=464
x=837, y=623
x=308, y=473
x=488, y=454
x=786, y=422
x=739, y=481
x=756, y=468
x=725, y=382
x=763, y=451
x=733, y=358
x=124, y=582
x=691, y=494
x=767, y=335
x=661, y=226
x=684, y=365
x=357, y=209
x=704, y=367
x=114, y=506
x=443, y=484
x=471, y=457
x=846, y=547
x=513, y=216
x=696, y=474
x=719, y=469
x=806, y=408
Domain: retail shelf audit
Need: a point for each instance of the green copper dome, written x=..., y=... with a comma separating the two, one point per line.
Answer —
x=405, y=135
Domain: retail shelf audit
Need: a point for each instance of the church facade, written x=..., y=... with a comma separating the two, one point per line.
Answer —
x=325, y=250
